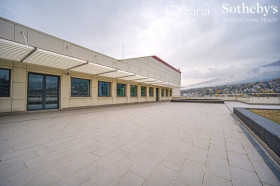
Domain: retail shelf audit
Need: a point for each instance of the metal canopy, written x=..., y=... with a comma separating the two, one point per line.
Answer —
x=117, y=74
x=24, y=53
x=162, y=83
x=51, y=59
x=136, y=77
x=157, y=82
x=146, y=80
x=13, y=51
x=92, y=68
x=150, y=83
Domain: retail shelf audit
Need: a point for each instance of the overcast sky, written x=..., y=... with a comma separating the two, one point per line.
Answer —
x=207, y=48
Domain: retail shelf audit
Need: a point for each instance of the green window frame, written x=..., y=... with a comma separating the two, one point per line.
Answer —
x=166, y=93
x=170, y=93
x=151, y=91
x=80, y=87
x=133, y=90
x=143, y=91
x=162, y=92
x=104, y=89
x=120, y=90
x=5, y=82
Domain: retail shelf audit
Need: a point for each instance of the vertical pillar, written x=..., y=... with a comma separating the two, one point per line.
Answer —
x=114, y=91
x=139, y=92
x=18, y=91
x=65, y=89
x=94, y=90
x=127, y=92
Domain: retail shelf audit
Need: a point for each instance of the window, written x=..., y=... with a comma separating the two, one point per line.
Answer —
x=103, y=89
x=170, y=94
x=162, y=92
x=79, y=87
x=151, y=92
x=166, y=93
x=143, y=91
x=133, y=90
x=4, y=83
x=120, y=90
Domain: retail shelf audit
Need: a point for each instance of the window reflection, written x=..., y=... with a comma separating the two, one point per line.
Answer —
x=120, y=90
x=79, y=87
x=133, y=90
x=103, y=89
x=4, y=83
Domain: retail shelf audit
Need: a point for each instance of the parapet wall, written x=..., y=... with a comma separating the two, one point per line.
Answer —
x=267, y=131
x=249, y=100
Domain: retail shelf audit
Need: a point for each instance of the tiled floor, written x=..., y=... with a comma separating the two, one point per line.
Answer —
x=141, y=144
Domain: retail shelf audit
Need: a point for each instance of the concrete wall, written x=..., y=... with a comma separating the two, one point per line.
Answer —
x=12, y=32
x=19, y=83
x=264, y=100
x=266, y=132
x=152, y=68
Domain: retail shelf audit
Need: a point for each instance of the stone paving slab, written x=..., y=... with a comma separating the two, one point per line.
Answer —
x=139, y=144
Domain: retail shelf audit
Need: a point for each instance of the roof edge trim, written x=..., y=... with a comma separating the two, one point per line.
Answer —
x=163, y=62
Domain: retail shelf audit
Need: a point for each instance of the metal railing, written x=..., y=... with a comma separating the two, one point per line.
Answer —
x=247, y=95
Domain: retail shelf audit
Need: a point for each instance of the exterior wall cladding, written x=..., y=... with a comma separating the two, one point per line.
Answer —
x=150, y=67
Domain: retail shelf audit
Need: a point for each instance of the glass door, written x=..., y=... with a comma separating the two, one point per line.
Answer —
x=43, y=92
x=156, y=94
x=51, y=95
x=35, y=92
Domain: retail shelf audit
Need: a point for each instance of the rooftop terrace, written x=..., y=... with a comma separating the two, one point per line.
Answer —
x=140, y=144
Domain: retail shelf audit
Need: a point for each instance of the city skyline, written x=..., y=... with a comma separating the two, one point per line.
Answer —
x=256, y=88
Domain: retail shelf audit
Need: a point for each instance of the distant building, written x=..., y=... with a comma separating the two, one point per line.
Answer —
x=39, y=71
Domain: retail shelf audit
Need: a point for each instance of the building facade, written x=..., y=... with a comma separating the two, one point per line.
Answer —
x=39, y=71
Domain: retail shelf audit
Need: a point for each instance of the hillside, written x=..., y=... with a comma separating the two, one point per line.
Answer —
x=277, y=63
x=269, y=86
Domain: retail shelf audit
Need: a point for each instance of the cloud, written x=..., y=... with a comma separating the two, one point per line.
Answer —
x=203, y=47
x=232, y=75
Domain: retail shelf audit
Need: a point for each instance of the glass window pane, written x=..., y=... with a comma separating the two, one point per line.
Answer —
x=79, y=87
x=166, y=92
x=162, y=92
x=170, y=93
x=51, y=92
x=151, y=91
x=35, y=92
x=103, y=89
x=143, y=91
x=4, y=83
x=133, y=90
x=120, y=90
